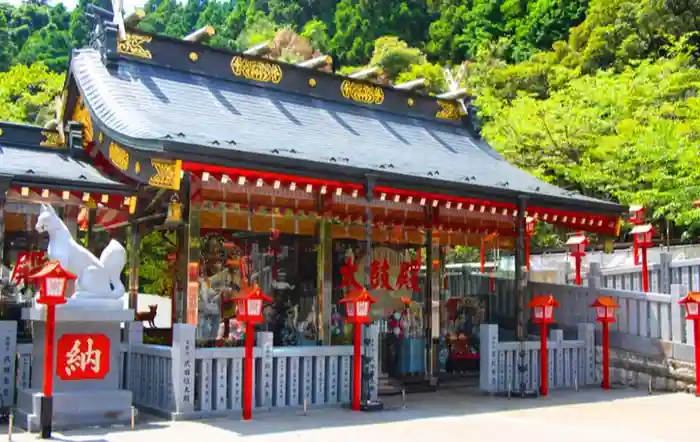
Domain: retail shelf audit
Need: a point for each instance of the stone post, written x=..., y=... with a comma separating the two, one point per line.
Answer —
x=488, y=364
x=594, y=275
x=591, y=370
x=8, y=352
x=182, y=351
x=678, y=321
x=665, y=272
x=263, y=390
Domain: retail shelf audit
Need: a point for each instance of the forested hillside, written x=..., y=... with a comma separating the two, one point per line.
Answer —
x=597, y=96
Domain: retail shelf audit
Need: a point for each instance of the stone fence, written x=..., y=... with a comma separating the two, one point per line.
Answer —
x=183, y=382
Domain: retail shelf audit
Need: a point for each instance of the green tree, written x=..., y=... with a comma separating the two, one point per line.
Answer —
x=6, y=45
x=26, y=91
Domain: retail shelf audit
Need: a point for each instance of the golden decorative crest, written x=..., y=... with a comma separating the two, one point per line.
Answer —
x=167, y=174
x=118, y=156
x=448, y=110
x=0, y=132
x=81, y=114
x=257, y=70
x=194, y=57
x=362, y=92
x=134, y=45
x=51, y=139
x=137, y=168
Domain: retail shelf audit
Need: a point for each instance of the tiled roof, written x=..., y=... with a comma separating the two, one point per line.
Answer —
x=25, y=161
x=162, y=110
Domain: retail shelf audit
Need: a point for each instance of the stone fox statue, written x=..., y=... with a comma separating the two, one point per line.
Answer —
x=98, y=281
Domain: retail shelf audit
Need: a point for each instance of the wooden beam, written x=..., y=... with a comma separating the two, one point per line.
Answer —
x=366, y=73
x=453, y=95
x=317, y=62
x=260, y=49
x=412, y=84
x=202, y=34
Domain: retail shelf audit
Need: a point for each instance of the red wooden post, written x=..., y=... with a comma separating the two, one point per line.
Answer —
x=357, y=368
x=543, y=313
x=605, y=307
x=697, y=356
x=249, y=303
x=606, y=355
x=357, y=307
x=49, y=353
x=53, y=281
x=692, y=308
x=578, y=269
x=248, y=373
x=641, y=236
x=544, y=360
x=645, y=271
x=577, y=247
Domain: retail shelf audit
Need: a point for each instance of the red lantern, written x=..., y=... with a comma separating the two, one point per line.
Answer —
x=53, y=280
x=529, y=231
x=577, y=248
x=249, y=303
x=543, y=313
x=692, y=309
x=641, y=237
x=357, y=306
x=692, y=306
x=605, y=307
x=543, y=308
x=637, y=213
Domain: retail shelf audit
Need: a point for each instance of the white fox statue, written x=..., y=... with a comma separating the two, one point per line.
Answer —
x=98, y=283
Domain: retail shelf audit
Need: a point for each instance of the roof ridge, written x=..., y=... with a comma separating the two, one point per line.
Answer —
x=197, y=58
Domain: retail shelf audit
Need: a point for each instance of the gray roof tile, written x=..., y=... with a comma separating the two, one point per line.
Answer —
x=141, y=104
x=23, y=164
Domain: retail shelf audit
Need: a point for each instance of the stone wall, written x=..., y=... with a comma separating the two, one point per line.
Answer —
x=644, y=372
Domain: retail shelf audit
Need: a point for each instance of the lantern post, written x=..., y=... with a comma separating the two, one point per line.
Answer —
x=692, y=309
x=605, y=307
x=636, y=218
x=577, y=248
x=543, y=313
x=357, y=307
x=53, y=281
x=249, y=305
x=641, y=237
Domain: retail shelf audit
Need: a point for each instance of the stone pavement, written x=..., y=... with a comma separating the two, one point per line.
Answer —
x=446, y=416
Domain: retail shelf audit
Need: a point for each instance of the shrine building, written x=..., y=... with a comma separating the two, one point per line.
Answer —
x=226, y=169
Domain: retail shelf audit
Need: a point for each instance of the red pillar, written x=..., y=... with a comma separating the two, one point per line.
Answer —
x=606, y=355
x=544, y=360
x=578, y=269
x=357, y=368
x=248, y=374
x=527, y=253
x=645, y=272
x=49, y=354
x=696, y=323
x=635, y=253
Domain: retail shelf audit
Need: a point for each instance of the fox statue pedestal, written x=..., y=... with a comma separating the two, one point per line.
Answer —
x=88, y=369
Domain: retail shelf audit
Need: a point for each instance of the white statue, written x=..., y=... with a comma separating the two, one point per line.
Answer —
x=97, y=284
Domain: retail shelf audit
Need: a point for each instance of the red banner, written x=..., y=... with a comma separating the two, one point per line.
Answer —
x=83, y=357
x=27, y=263
x=379, y=275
